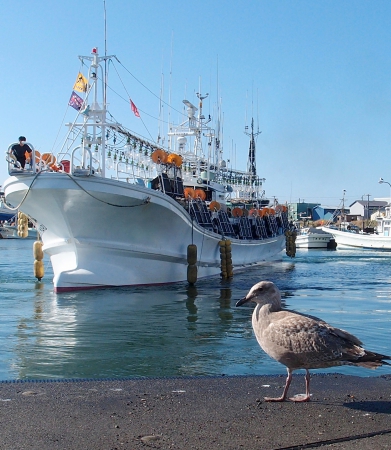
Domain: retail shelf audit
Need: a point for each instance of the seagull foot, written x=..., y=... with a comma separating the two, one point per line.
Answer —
x=300, y=398
x=274, y=399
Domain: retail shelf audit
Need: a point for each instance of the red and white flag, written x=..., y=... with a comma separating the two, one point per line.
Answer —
x=134, y=108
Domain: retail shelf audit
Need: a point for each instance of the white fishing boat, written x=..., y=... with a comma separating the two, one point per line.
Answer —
x=351, y=236
x=115, y=210
x=355, y=238
x=312, y=237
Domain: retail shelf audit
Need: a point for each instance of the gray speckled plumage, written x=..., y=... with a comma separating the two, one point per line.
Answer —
x=301, y=341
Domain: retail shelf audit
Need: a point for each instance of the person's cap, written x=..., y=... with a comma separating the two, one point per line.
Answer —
x=22, y=138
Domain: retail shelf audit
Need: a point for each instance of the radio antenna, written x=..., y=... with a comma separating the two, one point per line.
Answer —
x=105, y=38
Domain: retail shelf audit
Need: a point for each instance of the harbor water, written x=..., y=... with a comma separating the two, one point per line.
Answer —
x=179, y=330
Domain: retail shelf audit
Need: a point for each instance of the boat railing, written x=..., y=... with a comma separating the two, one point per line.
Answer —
x=81, y=166
x=15, y=167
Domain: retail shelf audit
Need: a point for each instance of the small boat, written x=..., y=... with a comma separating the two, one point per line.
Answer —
x=348, y=235
x=9, y=230
x=114, y=209
x=313, y=237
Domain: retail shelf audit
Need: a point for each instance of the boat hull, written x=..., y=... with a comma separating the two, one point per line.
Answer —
x=100, y=232
x=346, y=239
x=319, y=241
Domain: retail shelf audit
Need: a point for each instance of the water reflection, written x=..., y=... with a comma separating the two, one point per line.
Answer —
x=126, y=332
x=180, y=330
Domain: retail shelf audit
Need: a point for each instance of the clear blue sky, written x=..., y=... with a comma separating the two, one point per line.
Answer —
x=316, y=75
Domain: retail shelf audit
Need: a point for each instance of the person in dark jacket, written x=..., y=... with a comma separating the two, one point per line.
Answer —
x=19, y=151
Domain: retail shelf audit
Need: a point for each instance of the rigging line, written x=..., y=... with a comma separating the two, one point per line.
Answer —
x=123, y=98
x=25, y=195
x=145, y=202
x=59, y=128
x=63, y=119
x=130, y=73
x=129, y=131
x=123, y=85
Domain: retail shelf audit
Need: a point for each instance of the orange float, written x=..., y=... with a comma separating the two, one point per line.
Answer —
x=214, y=206
x=54, y=167
x=37, y=156
x=200, y=193
x=159, y=156
x=237, y=212
x=253, y=213
x=189, y=192
x=48, y=158
x=173, y=158
x=271, y=211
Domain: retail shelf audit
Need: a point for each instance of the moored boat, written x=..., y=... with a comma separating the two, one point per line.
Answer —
x=11, y=232
x=159, y=201
x=313, y=237
x=351, y=236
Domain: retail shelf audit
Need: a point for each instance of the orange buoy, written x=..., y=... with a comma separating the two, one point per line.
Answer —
x=214, y=206
x=159, y=156
x=253, y=212
x=200, y=193
x=189, y=192
x=237, y=212
x=271, y=211
x=175, y=159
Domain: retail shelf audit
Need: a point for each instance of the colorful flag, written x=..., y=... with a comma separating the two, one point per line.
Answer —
x=134, y=109
x=75, y=101
x=81, y=83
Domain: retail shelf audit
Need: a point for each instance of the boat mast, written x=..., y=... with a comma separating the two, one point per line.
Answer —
x=343, y=209
x=251, y=164
x=95, y=113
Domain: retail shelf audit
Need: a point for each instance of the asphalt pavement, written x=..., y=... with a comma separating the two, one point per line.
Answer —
x=195, y=413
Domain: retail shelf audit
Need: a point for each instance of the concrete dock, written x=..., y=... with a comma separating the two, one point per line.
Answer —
x=196, y=413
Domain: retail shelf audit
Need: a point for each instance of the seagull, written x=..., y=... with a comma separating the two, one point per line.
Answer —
x=300, y=341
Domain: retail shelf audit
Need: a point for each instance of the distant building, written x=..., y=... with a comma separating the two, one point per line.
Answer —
x=326, y=214
x=364, y=209
x=301, y=211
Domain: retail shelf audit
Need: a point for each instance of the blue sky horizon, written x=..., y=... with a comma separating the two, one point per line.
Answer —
x=314, y=75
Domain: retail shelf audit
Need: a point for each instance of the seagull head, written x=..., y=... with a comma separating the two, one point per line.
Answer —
x=263, y=293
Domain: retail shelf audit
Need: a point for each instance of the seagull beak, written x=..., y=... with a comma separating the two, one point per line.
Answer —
x=242, y=301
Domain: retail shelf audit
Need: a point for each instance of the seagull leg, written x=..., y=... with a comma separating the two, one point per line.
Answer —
x=302, y=398
x=283, y=396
